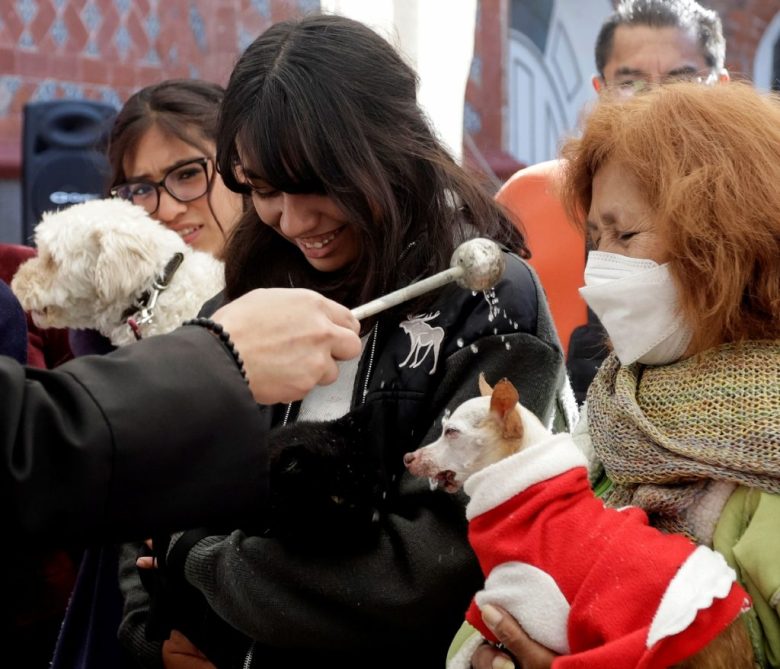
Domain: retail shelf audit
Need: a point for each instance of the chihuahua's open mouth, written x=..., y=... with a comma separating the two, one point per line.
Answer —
x=445, y=480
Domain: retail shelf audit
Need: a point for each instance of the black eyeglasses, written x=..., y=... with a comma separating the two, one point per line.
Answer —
x=185, y=182
x=629, y=87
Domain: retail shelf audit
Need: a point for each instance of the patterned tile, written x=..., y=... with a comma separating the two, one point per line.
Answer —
x=475, y=72
x=77, y=31
x=59, y=32
x=72, y=90
x=152, y=57
x=152, y=25
x=245, y=37
x=92, y=49
x=45, y=90
x=123, y=42
x=110, y=96
x=12, y=28
x=472, y=120
x=26, y=40
x=104, y=49
x=92, y=16
x=308, y=6
x=198, y=27
x=8, y=87
x=262, y=7
x=27, y=10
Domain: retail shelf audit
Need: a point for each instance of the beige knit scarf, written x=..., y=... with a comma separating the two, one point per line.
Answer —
x=663, y=433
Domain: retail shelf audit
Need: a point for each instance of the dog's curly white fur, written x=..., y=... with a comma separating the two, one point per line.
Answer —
x=96, y=259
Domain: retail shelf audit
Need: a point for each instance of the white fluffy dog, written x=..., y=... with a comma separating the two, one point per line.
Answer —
x=102, y=265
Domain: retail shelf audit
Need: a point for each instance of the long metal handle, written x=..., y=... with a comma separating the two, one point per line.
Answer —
x=407, y=293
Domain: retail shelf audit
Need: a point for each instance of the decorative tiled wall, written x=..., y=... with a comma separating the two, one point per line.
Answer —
x=106, y=49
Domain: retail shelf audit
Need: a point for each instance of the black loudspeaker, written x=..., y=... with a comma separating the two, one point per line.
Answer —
x=63, y=156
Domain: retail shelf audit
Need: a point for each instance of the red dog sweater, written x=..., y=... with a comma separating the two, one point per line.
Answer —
x=598, y=585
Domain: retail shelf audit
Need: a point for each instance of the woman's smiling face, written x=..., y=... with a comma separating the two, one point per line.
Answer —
x=312, y=221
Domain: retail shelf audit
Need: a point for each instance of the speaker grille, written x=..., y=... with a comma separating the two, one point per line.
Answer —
x=63, y=156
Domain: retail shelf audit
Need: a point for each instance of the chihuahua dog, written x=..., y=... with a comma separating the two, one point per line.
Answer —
x=597, y=585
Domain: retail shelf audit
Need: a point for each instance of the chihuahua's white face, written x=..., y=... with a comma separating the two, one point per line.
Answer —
x=468, y=442
x=481, y=431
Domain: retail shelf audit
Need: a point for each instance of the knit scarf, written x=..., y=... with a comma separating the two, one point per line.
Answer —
x=664, y=433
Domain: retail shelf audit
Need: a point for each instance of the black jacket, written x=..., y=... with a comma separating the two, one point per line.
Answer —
x=122, y=445
x=395, y=588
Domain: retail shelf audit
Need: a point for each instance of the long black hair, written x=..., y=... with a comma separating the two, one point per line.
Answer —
x=325, y=105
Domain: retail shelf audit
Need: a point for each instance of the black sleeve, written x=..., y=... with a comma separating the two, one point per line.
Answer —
x=157, y=436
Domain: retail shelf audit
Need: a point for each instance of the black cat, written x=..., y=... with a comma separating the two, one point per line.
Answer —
x=326, y=493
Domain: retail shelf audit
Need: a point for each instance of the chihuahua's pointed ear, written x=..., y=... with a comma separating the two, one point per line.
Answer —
x=502, y=404
x=484, y=386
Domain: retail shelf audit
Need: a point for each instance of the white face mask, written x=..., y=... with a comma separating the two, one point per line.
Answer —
x=636, y=302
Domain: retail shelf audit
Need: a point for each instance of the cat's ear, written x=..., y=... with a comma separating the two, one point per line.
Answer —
x=484, y=386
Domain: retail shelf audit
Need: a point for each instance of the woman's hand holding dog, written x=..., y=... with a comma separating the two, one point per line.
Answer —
x=290, y=340
x=527, y=653
x=178, y=652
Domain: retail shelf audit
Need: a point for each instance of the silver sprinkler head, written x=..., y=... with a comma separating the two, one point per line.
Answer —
x=481, y=261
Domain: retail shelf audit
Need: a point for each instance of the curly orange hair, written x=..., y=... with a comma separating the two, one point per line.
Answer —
x=707, y=159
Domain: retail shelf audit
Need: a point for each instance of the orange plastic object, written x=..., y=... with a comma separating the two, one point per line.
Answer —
x=557, y=245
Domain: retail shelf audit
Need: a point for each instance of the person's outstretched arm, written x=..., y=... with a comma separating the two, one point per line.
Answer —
x=163, y=434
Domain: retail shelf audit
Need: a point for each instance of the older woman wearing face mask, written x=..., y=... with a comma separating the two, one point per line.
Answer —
x=679, y=191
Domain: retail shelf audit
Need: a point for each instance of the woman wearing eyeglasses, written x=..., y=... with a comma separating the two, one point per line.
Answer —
x=161, y=152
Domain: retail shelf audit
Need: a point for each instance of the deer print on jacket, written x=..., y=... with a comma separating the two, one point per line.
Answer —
x=424, y=339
